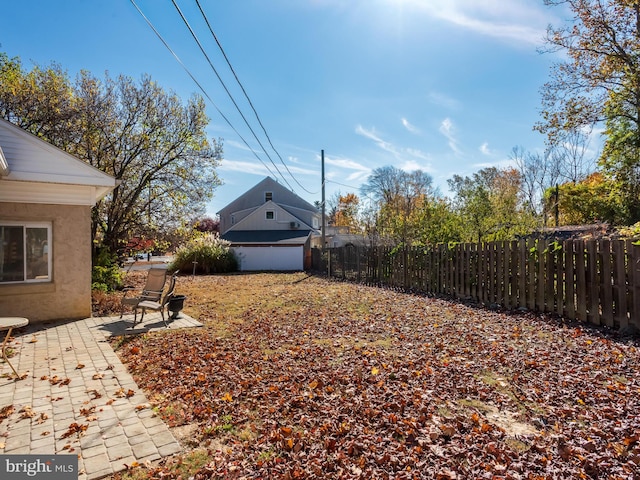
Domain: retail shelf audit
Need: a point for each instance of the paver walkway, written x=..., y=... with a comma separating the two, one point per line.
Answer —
x=76, y=397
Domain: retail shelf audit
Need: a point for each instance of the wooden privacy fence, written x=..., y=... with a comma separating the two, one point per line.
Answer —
x=597, y=281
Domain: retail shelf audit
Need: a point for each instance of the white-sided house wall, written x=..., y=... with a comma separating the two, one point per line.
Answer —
x=270, y=216
x=279, y=258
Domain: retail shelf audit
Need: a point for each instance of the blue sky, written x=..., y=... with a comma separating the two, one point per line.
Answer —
x=445, y=86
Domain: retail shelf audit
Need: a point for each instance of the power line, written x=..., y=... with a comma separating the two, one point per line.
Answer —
x=195, y=37
x=343, y=185
x=246, y=95
x=199, y=85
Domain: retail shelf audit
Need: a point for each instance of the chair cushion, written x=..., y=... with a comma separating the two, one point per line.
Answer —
x=150, y=305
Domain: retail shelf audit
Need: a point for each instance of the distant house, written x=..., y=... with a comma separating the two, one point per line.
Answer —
x=270, y=228
x=343, y=237
x=46, y=197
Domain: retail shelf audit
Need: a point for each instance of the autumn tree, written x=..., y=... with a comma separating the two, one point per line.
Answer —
x=597, y=81
x=397, y=196
x=586, y=201
x=207, y=225
x=438, y=222
x=490, y=205
x=148, y=139
x=347, y=212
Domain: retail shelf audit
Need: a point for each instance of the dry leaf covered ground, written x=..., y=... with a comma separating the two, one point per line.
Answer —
x=296, y=376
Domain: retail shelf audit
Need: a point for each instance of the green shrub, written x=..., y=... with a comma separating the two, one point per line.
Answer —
x=632, y=231
x=106, y=275
x=211, y=253
x=106, y=279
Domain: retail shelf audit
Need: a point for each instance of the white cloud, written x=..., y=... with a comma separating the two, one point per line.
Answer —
x=409, y=126
x=371, y=134
x=484, y=148
x=419, y=154
x=401, y=155
x=503, y=163
x=447, y=129
x=412, y=165
x=254, y=168
x=359, y=172
x=257, y=168
x=443, y=100
x=509, y=20
x=346, y=163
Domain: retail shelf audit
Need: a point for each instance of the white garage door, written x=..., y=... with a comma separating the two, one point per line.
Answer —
x=270, y=258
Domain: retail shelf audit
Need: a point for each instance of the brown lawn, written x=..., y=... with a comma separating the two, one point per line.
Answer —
x=297, y=376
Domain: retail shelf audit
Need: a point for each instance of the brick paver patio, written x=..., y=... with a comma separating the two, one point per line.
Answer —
x=76, y=397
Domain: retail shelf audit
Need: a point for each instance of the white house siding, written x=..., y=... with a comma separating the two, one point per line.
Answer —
x=290, y=258
x=257, y=220
x=48, y=193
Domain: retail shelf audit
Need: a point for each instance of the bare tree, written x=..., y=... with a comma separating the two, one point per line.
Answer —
x=575, y=159
x=538, y=173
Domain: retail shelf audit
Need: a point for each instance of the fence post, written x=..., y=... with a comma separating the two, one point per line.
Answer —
x=503, y=274
x=559, y=261
x=605, y=283
x=522, y=273
x=531, y=273
x=540, y=284
x=581, y=281
x=620, y=284
x=634, y=282
x=569, y=279
x=593, y=275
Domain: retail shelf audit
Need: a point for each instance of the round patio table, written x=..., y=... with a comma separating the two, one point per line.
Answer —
x=8, y=324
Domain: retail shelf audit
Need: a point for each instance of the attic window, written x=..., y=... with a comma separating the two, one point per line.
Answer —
x=268, y=196
x=270, y=215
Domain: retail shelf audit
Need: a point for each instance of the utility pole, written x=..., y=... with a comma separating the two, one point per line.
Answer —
x=323, y=202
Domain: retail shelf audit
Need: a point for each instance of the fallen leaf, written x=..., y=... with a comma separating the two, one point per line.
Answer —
x=75, y=429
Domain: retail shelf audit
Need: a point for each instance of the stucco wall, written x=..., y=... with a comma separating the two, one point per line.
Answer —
x=68, y=296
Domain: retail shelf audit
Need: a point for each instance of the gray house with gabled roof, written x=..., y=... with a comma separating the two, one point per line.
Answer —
x=270, y=228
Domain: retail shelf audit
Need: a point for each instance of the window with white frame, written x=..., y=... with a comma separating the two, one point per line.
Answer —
x=316, y=222
x=268, y=196
x=25, y=252
x=270, y=215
